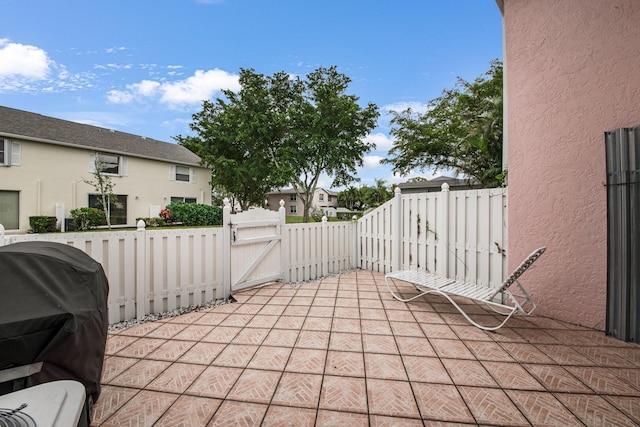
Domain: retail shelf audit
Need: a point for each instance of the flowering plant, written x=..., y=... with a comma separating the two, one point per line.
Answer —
x=165, y=214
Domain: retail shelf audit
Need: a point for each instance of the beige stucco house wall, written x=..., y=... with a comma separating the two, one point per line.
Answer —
x=52, y=168
x=572, y=72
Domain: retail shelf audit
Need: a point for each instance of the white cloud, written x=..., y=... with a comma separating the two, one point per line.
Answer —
x=192, y=90
x=23, y=61
x=371, y=162
x=115, y=49
x=383, y=142
x=416, y=107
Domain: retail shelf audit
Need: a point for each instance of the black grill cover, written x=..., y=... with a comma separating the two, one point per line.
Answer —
x=53, y=309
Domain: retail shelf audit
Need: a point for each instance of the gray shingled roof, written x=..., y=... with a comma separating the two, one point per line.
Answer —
x=18, y=124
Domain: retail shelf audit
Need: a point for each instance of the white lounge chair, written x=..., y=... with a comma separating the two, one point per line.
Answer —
x=500, y=299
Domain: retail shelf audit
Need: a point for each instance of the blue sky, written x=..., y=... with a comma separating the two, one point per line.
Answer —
x=144, y=66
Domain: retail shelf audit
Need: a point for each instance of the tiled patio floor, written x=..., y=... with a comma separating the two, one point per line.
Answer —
x=342, y=352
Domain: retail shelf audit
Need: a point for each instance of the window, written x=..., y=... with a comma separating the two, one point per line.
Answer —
x=321, y=197
x=9, y=153
x=9, y=209
x=110, y=164
x=117, y=210
x=183, y=199
x=293, y=209
x=182, y=174
x=293, y=197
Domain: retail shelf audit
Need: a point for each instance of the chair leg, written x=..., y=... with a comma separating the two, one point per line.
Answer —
x=386, y=280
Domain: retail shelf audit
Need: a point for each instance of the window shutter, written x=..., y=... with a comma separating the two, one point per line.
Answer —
x=124, y=166
x=172, y=173
x=193, y=175
x=92, y=162
x=16, y=153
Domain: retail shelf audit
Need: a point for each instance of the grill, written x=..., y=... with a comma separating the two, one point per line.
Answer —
x=53, y=333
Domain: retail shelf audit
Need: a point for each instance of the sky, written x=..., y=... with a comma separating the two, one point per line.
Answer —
x=144, y=66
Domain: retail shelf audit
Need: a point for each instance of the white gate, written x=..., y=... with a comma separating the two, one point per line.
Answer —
x=255, y=247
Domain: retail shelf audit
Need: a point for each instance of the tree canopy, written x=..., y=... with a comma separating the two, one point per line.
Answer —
x=461, y=130
x=280, y=130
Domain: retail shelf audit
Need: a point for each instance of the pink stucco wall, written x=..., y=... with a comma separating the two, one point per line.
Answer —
x=572, y=73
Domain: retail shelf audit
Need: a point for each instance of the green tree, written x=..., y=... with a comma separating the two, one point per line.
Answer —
x=462, y=130
x=280, y=130
x=103, y=186
x=350, y=198
x=326, y=134
x=236, y=137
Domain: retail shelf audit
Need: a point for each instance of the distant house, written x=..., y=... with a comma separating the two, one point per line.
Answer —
x=44, y=162
x=322, y=199
x=435, y=184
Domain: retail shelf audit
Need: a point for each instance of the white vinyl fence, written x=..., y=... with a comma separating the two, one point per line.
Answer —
x=458, y=234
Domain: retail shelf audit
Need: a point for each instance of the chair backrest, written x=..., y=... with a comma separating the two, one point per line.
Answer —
x=524, y=265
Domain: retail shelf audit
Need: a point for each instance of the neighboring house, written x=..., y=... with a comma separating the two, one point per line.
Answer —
x=322, y=199
x=44, y=162
x=572, y=72
x=435, y=184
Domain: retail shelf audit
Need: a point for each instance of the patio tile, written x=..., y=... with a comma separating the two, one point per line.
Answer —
x=215, y=382
x=440, y=402
x=313, y=339
x=434, y=330
x=344, y=363
x=594, y=410
x=281, y=338
x=319, y=311
x=296, y=308
x=232, y=413
x=383, y=421
x=385, y=366
x=298, y=390
x=343, y=394
x=489, y=350
x=492, y=406
x=542, y=409
x=247, y=309
x=278, y=416
x=468, y=372
x=140, y=374
x=211, y=319
x=255, y=385
x=176, y=378
x=426, y=369
x=451, y=349
x=289, y=322
x=379, y=344
x=237, y=319
x=202, y=353
x=262, y=321
x=512, y=376
x=114, y=366
x=346, y=325
x=166, y=330
x=141, y=330
x=526, y=353
x=629, y=405
x=346, y=312
x=334, y=419
x=144, y=409
x=345, y=342
x=317, y=324
x=170, y=350
x=235, y=355
x=406, y=329
x=222, y=334
x=607, y=357
x=413, y=346
x=390, y=398
x=601, y=380
x=270, y=358
x=189, y=411
x=376, y=327
x=306, y=361
x=557, y=378
x=111, y=399
x=115, y=343
x=252, y=336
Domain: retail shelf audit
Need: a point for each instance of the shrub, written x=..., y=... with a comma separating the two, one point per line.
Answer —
x=193, y=214
x=153, y=222
x=87, y=218
x=43, y=224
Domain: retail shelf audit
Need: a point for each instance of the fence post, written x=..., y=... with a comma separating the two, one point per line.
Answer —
x=442, y=231
x=142, y=264
x=2, y=239
x=226, y=251
x=283, y=231
x=355, y=261
x=324, y=247
x=396, y=230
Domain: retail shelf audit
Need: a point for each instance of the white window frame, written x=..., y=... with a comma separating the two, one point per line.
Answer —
x=293, y=197
x=122, y=164
x=12, y=153
x=173, y=174
x=293, y=209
